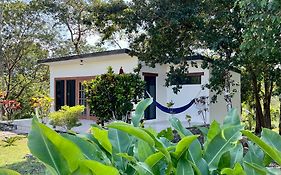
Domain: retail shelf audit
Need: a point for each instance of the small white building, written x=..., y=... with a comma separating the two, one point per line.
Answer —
x=68, y=73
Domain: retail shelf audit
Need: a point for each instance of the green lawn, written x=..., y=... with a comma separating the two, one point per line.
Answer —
x=13, y=157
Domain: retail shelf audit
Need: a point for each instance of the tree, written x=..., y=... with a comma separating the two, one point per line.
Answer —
x=239, y=35
x=111, y=96
x=260, y=53
x=25, y=37
x=70, y=17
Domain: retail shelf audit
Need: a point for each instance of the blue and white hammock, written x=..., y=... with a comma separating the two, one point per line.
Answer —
x=172, y=110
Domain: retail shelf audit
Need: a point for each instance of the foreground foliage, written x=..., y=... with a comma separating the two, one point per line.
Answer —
x=129, y=149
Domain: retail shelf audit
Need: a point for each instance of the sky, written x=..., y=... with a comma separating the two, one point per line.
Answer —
x=93, y=39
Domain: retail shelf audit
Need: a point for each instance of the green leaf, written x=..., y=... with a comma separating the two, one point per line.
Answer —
x=143, y=169
x=225, y=160
x=254, y=155
x=4, y=171
x=144, y=150
x=90, y=149
x=221, y=144
x=166, y=133
x=121, y=143
x=140, y=111
x=102, y=136
x=119, y=140
x=232, y=118
x=194, y=152
x=274, y=171
x=98, y=168
x=159, y=146
x=183, y=145
x=54, y=150
x=175, y=122
x=184, y=167
x=271, y=151
x=257, y=168
x=271, y=138
x=213, y=131
x=237, y=170
x=154, y=159
x=236, y=155
x=137, y=132
x=128, y=157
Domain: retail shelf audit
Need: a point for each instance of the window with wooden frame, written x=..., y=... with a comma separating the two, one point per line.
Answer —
x=70, y=91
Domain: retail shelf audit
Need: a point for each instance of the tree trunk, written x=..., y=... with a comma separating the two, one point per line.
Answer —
x=266, y=105
x=259, y=114
x=266, y=102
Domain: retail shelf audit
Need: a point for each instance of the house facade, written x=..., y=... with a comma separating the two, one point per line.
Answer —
x=68, y=73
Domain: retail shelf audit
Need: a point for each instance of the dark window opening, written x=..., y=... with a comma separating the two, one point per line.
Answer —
x=59, y=94
x=150, y=87
x=70, y=92
x=188, y=80
x=65, y=93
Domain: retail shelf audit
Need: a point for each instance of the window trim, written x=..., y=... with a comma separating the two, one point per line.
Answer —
x=77, y=81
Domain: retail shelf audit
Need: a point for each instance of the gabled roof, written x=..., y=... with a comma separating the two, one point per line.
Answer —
x=88, y=55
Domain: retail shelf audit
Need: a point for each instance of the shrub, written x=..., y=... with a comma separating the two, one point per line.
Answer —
x=10, y=108
x=67, y=117
x=41, y=105
x=111, y=96
x=129, y=149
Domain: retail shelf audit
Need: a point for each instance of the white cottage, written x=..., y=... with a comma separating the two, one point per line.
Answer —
x=68, y=73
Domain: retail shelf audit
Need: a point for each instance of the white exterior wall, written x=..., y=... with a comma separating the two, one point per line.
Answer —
x=91, y=67
x=161, y=120
x=98, y=65
x=187, y=93
x=219, y=110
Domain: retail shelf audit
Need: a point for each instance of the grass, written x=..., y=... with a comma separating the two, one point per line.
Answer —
x=14, y=157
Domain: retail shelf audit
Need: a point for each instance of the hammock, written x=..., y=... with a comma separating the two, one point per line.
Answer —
x=173, y=110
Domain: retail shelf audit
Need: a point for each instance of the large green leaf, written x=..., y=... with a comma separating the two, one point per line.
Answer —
x=270, y=150
x=183, y=145
x=237, y=170
x=274, y=170
x=159, y=145
x=102, y=136
x=143, y=169
x=119, y=140
x=194, y=152
x=213, y=131
x=131, y=130
x=221, y=144
x=98, y=168
x=176, y=124
x=90, y=149
x=4, y=171
x=121, y=143
x=271, y=138
x=53, y=149
x=232, y=118
x=236, y=155
x=184, y=167
x=253, y=156
x=144, y=150
x=256, y=168
x=154, y=159
x=140, y=111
